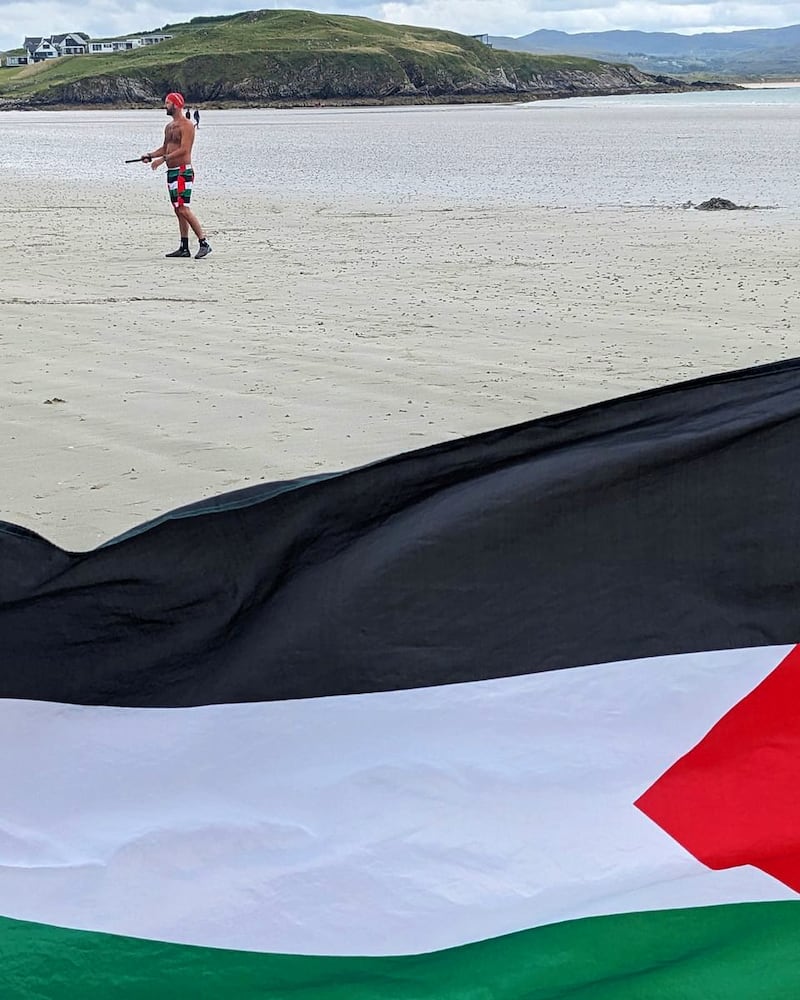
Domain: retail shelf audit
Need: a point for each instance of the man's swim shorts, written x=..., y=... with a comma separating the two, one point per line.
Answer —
x=179, y=182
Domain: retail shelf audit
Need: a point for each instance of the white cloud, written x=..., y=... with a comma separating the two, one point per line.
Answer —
x=519, y=17
x=498, y=17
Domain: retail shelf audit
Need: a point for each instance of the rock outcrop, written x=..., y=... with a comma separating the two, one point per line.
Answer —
x=264, y=78
x=719, y=205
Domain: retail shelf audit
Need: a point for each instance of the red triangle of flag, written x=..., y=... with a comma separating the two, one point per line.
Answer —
x=735, y=798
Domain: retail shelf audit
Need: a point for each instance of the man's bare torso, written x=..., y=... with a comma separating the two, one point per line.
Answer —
x=178, y=141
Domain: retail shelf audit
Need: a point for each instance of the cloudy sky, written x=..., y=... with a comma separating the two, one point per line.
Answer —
x=497, y=17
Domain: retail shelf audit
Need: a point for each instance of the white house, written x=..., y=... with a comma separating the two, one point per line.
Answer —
x=101, y=46
x=154, y=39
x=76, y=43
x=39, y=49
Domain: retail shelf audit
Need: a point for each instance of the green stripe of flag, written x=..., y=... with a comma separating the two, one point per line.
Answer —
x=736, y=952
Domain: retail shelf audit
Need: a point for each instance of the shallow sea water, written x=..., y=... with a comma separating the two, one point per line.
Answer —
x=583, y=152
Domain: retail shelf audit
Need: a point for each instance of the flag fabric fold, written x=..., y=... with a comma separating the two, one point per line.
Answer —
x=509, y=717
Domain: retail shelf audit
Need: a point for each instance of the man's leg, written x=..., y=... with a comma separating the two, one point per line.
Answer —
x=189, y=219
x=183, y=250
x=174, y=186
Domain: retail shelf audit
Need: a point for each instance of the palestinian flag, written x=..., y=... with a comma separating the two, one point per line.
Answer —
x=515, y=717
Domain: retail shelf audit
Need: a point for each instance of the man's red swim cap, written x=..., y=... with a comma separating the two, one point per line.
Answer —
x=176, y=99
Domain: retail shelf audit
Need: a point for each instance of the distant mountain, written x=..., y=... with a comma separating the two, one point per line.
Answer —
x=761, y=52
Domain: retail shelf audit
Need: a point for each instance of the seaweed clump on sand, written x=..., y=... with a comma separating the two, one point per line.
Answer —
x=721, y=205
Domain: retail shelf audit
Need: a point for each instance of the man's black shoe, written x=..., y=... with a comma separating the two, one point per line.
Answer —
x=180, y=252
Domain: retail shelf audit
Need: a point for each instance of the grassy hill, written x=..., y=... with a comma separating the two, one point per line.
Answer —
x=285, y=56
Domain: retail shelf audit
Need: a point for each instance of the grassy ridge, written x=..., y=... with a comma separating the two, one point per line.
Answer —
x=209, y=54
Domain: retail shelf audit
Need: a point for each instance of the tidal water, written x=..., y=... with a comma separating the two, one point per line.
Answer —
x=584, y=152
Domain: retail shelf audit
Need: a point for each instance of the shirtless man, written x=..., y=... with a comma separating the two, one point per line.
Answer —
x=176, y=152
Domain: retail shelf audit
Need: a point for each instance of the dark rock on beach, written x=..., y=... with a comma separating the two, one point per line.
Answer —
x=720, y=205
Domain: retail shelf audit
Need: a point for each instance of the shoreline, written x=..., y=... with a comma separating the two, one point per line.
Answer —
x=372, y=102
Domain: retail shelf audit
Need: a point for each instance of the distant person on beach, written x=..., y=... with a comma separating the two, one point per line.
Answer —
x=176, y=153
x=188, y=114
x=196, y=118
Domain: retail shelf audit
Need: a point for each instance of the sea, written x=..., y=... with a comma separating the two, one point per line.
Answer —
x=600, y=152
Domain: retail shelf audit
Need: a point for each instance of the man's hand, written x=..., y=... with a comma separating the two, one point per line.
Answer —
x=146, y=158
x=157, y=162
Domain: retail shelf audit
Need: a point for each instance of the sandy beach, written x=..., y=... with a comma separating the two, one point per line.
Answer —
x=319, y=336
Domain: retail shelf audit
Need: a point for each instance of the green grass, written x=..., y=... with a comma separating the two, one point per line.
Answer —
x=260, y=42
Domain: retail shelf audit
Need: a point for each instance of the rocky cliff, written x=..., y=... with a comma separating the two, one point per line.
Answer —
x=258, y=78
